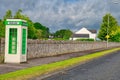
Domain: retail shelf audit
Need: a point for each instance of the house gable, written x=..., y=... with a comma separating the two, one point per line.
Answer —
x=83, y=31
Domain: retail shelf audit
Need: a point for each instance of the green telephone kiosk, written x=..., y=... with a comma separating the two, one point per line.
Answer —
x=16, y=41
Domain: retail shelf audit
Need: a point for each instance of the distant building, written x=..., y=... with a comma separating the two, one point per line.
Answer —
x=84, y=33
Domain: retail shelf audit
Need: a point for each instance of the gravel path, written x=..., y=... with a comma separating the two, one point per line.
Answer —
x=105, y=68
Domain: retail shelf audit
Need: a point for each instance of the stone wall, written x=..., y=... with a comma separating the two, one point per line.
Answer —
x=37, y=48
x=40, y=48
x=2, y=45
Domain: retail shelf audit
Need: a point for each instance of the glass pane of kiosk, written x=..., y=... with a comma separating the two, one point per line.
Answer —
x=24, y=41
x=12, y=40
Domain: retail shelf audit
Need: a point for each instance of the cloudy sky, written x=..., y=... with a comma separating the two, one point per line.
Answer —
x=64, y=14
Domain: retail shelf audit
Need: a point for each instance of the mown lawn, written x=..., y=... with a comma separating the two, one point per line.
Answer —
x=28, y=73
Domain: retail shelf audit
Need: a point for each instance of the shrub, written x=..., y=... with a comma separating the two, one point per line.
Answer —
x=83, y=39
x=59, y=39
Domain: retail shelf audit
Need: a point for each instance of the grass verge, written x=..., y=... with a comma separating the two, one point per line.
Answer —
x=28, y=73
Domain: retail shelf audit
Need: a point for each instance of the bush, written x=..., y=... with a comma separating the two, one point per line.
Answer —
x=60, y=39
x=83, y=39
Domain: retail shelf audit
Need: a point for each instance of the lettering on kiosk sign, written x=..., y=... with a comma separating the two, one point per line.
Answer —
x=13, y=22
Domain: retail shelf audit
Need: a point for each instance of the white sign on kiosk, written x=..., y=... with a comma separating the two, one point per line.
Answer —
x=15, y=41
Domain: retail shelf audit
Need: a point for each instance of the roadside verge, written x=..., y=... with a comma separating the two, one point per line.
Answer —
x=47, y=68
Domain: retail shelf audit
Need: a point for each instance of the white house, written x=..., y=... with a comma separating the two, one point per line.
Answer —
x=84, y=33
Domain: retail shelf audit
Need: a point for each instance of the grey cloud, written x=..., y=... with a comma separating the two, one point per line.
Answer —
x=59, y=14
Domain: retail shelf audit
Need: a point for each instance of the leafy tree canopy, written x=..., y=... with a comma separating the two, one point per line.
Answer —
x=35, y=31
x=8, y=15
x=45, y=30
x=116, y=35
x=109, y=26
x=63, y=33
x=2, y=29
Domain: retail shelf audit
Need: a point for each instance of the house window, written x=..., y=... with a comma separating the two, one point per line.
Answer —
x=81, y=35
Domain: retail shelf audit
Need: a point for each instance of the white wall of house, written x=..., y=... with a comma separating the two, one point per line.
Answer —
x=76, y=38
x=93, y=36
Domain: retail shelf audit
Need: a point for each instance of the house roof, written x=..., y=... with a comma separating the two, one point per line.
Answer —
x=93, y=31
x=81, y=35
x=86, y=31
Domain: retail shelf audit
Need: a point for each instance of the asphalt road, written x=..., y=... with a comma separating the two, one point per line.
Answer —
x=105, y=68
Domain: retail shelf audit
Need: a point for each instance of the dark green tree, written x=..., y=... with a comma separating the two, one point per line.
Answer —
x=63, y=33
x=116, y=35
x=8, y=15
x=45, y=30
x=32, y=31
x=18, y=14
x=37, y=32
x=108, y=26
x=2, y=29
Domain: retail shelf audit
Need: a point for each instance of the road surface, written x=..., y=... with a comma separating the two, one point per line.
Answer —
x=105, y=68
